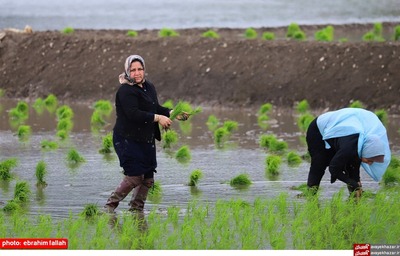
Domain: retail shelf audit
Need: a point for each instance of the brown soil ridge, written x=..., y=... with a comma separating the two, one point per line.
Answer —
x=231, y=71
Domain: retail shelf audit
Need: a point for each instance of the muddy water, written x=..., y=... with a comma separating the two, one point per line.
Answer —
x=70, y=189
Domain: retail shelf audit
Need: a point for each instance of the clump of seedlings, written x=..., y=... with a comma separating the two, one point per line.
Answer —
x=24, y=132
x=303, y=107
x=5, y=168
x=295, y=32
x=212, y=122
x=155, y=192
x=48, y=145
x=375, y=35
x=250, y=33
x=304, y=121
x=22, y=192
x=183, y=154
x=396, y=33
x=132, y=33
x=19, y=114
x=273, y=163
x=169, y=138
x=51, y=102
x=73, y=157
x=195, y=176
x=90, y=211
x=64, y=124
x=68, y=30
x=325, y=35
x=40, y=173
x=271, y=142
x=107, y=142
x=293, y=159
x=222, y=134
x=167, y=32
x=102, y=110
x=210, y=34
x=269, y=36
x=241, y=180
x=39, y=105
x=263, y=117
x=183, y=106
x=392, y=175
x=356, y=104
x=383, y=116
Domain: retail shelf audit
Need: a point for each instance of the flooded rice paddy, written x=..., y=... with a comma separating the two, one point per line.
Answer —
x=70, y=189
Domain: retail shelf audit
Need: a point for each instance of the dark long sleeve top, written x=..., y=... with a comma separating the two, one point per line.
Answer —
x=345, y=159
x=135, y=109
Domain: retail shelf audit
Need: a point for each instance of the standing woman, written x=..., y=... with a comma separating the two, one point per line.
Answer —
x=139, y=115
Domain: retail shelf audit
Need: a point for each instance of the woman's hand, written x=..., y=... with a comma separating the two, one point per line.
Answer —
x=164, y=121
x=183, y=116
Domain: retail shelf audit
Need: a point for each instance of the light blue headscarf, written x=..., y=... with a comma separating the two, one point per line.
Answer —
x=372, y=140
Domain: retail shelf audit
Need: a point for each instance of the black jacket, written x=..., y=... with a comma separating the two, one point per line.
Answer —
x=135, y=109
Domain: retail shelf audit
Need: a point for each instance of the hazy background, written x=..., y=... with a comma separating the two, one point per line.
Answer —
x=156, y=14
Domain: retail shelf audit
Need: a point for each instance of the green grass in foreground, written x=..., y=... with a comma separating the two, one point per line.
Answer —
x=278, y=223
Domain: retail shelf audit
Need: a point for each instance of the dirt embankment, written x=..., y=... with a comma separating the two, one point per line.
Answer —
x=230, y=71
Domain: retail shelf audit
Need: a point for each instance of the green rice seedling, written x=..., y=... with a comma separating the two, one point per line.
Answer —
x=294, y=32
x=221, y=135
x=375, y=35
x=20, y=112
x=107, y=143
x=212, y=122
x=5, y=168
x=65, y=125
x=195, y=176
x=64, y=112
x=391, y=177
x=169, y=138
x=40, y=173
x=155, y=192
x=23, y=107
x=90, y=210
x=272, y=143
x=240, y=180
x=62, y=134
x=103, y=106
x=74, y=157
x=168, y=104
x=273, y=163
x=304, y=121
x=262, y=121
x=12, y=206
x=97, y=119
x=39, y=105
x=183, y=155
x=22, y=192
x=269, y=36
x=210, y=34
x=265, y=109
x=325, y=35
x=184, y=106
x=132, y=33
x=51, y=102
x=293, y=159
x=48, y=145
x=68, y=30
x=186, y=127
x=250, y=33
x=396, y=33
x=24, y=132
x=383, y=116
x=356, y=104
x=167, y=32
x=230, y=125
x=303, y=107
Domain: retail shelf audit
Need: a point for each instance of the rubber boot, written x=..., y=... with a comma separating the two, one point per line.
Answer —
x=139, y=195
x=124, y=188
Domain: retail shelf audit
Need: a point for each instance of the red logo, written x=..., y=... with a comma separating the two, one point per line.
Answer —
x=362, y=249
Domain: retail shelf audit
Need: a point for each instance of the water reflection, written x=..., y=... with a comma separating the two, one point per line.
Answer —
x=70, y=188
